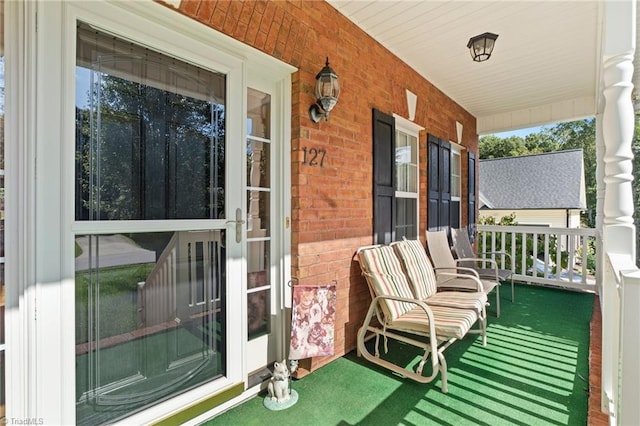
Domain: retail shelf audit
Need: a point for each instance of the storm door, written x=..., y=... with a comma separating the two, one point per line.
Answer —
x=158, y=223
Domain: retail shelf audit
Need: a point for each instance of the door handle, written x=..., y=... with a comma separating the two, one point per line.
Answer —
x=238, y=222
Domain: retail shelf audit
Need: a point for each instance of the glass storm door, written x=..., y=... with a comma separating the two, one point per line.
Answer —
x=156, y=222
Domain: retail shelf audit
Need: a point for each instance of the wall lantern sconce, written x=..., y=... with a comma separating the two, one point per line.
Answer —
x=481, y=46
x=327, y=92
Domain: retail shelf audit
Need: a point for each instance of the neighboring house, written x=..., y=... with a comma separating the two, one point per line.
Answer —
x=541, y=189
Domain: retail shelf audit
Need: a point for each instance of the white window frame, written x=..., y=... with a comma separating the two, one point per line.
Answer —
x=411, y=129
x=456, y=155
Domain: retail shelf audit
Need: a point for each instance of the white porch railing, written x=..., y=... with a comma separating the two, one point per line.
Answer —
x=563, y=257
x=186, y=280
x=157, y=295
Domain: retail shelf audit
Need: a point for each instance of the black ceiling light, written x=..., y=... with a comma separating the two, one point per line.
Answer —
x=481, y=46
x=327, y=92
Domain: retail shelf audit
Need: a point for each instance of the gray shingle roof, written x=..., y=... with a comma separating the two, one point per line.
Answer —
x=553, y=180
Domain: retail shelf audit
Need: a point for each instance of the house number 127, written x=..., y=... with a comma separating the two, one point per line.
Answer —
x=313, y=156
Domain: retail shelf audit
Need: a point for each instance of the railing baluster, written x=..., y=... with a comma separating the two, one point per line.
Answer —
x=546, y=255
x=584, y=244
x=484, y=241
x=493, y=246
x=558, y=259
x=513, y=251
x=503, y=249
x=571, y=257
x=535, y=255
x=523, y=263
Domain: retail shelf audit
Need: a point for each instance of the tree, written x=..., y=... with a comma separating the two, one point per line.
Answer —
x=538, y=143
x=635, y=184
x=146, y=153
x=581, y=135
x=494, y=147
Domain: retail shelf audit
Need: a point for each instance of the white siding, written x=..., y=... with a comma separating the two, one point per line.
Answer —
x=551, y=218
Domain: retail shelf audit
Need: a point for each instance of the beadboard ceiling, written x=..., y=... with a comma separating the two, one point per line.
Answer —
x=544, y=67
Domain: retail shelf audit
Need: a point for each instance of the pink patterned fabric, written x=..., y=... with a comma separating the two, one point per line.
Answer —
x=312, y=321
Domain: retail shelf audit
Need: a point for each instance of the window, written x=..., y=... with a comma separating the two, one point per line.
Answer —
x=407, y=182
x=456, y=184
x=395, y=178
x=471, y=195
x=258, y=157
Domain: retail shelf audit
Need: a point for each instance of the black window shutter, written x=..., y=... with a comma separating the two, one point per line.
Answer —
x=471, y=179
x=445, y=186
x=439, y=184
x=384, y=203
x=433, y=183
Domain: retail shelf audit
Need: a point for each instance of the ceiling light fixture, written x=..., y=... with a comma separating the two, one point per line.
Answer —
x=481, y=46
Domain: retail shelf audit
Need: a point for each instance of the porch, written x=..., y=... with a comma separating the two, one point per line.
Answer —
x=534, y=370
x=541, y=364
x=583, y=68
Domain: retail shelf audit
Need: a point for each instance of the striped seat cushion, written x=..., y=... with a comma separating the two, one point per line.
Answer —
x=449, y=322
x=385, y=277
x=459, y=299
x=418, y=267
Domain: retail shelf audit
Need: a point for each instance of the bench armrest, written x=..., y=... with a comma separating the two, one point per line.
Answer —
x=465, y=270
x=473, y=278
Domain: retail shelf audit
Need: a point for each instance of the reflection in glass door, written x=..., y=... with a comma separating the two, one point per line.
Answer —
x=149, y=318
x=150, y=300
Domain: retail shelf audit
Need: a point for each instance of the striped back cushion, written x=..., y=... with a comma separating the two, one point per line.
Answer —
x=385, y=278
x=418, y=267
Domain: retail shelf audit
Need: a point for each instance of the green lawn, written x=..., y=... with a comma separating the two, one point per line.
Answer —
x=116, y=299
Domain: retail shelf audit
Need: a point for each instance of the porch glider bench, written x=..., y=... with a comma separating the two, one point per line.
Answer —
x=412, y=311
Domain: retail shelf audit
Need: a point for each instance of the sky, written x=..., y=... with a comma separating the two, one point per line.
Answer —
x=522, y=132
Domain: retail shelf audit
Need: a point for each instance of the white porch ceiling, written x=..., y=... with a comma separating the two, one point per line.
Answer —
x=544, y=67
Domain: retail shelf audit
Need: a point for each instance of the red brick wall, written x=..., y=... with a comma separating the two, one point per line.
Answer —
x=332, y=205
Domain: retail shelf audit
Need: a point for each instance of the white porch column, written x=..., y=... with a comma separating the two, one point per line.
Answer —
x=619, y=386
x=605, y=280
x=599, y=204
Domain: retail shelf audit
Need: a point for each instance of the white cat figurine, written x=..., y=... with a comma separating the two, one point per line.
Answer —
x=278, y=385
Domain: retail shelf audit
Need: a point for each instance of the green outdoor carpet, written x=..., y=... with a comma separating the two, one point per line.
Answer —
x=533, y=371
